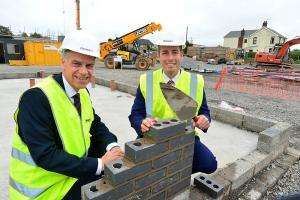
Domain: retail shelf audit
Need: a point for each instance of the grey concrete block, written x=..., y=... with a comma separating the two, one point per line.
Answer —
x=270, y=177
x=144, y=194
x=183, y=184
x=102, y=190
x=144, y=149
x=150, y=178
x=209, y=186
x=163, y=130
x=119, y=171
x=166, y=159
x=229, y=117
x=188, y=150
x=226, y=184
x=180, y=165
x=293, y=152
x=238, y=173
x=186, y=138
x=257, y=124
x=160, y=196
x=186, y=173
x=161, y=185
x=285, y=161
x=259, y=159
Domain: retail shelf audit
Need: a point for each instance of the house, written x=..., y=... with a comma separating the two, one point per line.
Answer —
x=258, y=40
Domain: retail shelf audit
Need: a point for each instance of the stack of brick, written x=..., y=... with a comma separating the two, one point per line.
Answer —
x=157, y=166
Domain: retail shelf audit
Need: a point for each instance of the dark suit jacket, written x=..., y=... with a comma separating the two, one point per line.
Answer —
x=38, y=131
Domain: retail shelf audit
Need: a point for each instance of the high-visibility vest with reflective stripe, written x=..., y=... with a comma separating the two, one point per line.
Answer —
x=29, y=181
x=156, y=105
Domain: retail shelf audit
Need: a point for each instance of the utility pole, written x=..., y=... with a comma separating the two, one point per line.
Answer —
x=78, y=14
x=186, y=34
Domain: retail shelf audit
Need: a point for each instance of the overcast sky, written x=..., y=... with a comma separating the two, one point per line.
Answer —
x=207, y=20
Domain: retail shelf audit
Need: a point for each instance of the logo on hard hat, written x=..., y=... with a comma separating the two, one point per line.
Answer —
x=168, y=41
x=82, y=48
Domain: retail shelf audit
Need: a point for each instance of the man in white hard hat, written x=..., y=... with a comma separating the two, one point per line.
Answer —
x=144, y=110
x=60, y=143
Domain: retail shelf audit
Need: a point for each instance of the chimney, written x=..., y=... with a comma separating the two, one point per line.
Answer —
x=265, y=24
x=241, y=39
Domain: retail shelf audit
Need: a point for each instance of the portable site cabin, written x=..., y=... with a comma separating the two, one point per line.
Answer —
x=39, y=53
x=11, y=49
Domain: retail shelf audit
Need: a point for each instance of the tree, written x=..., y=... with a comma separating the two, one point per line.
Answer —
x=36, y=35
x=5, y=31
x=24, y=34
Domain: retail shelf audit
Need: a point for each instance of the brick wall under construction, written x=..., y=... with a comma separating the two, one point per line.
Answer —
x=157, y=166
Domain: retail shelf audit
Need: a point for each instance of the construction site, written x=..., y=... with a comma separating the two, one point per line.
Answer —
x=252, y=88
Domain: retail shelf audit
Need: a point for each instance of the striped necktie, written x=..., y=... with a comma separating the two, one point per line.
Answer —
x=77, y=104
x=171, y=82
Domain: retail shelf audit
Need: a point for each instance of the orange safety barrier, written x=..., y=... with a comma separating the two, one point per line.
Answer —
x=279, y=83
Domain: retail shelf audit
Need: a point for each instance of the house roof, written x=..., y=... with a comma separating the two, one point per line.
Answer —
x=144, y=42
x=238, y=33
x=233, y=34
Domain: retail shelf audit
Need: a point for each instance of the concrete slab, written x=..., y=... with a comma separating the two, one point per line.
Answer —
x=228, y=143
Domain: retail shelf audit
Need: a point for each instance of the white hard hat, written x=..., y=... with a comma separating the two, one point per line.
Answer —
x=170, y=42
x=81, y=41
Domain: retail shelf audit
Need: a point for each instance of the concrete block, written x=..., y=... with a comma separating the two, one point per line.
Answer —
x=183, y=184
x=270, y=177
x=259, y=159
x=163, y=130
x=122, y=170
x=166, y=159
x=209, y=186
x=213, y=112
x=285, y=161
x=144, y=149
x=229, y=117
x=161, y=185
x=160, y=196
x=257, y=124
x=180, y=165
x=226, y=184
x=186, y=138
x=188, y=150
x=183, y=195
x=238, y=173
x=186, y=173
x=150, y=178
x=102, y=190
x=144, y=194
x=293, y=152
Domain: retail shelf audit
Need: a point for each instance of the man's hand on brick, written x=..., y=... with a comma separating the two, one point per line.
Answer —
x=146, y=124
x=115, y=153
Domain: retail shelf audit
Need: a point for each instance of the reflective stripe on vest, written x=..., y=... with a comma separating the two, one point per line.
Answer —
x=149, y=96
x=19, y=155
x=26, y=191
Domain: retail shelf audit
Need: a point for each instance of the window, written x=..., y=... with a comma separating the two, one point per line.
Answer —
x=254, y=40
x=13, y=48
x=245, y=40
x=270, y=50
x=272, y=40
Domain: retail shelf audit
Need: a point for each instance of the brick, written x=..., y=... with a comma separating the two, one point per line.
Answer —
x=188, y=150
x=229, y=117
x=186, y=173
x=178, y=187
x=179, y=165
x=150, y=178
x=165, y=129
x=165, y=183
x=238, y=173
x=160, y=196
x=144, y=149
x=259, y=159
x=102, y=190
x=209, y=186
x=122, y=170
x=256, y=124
x=166, y=159
x=144, y=194
x=186, y=138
